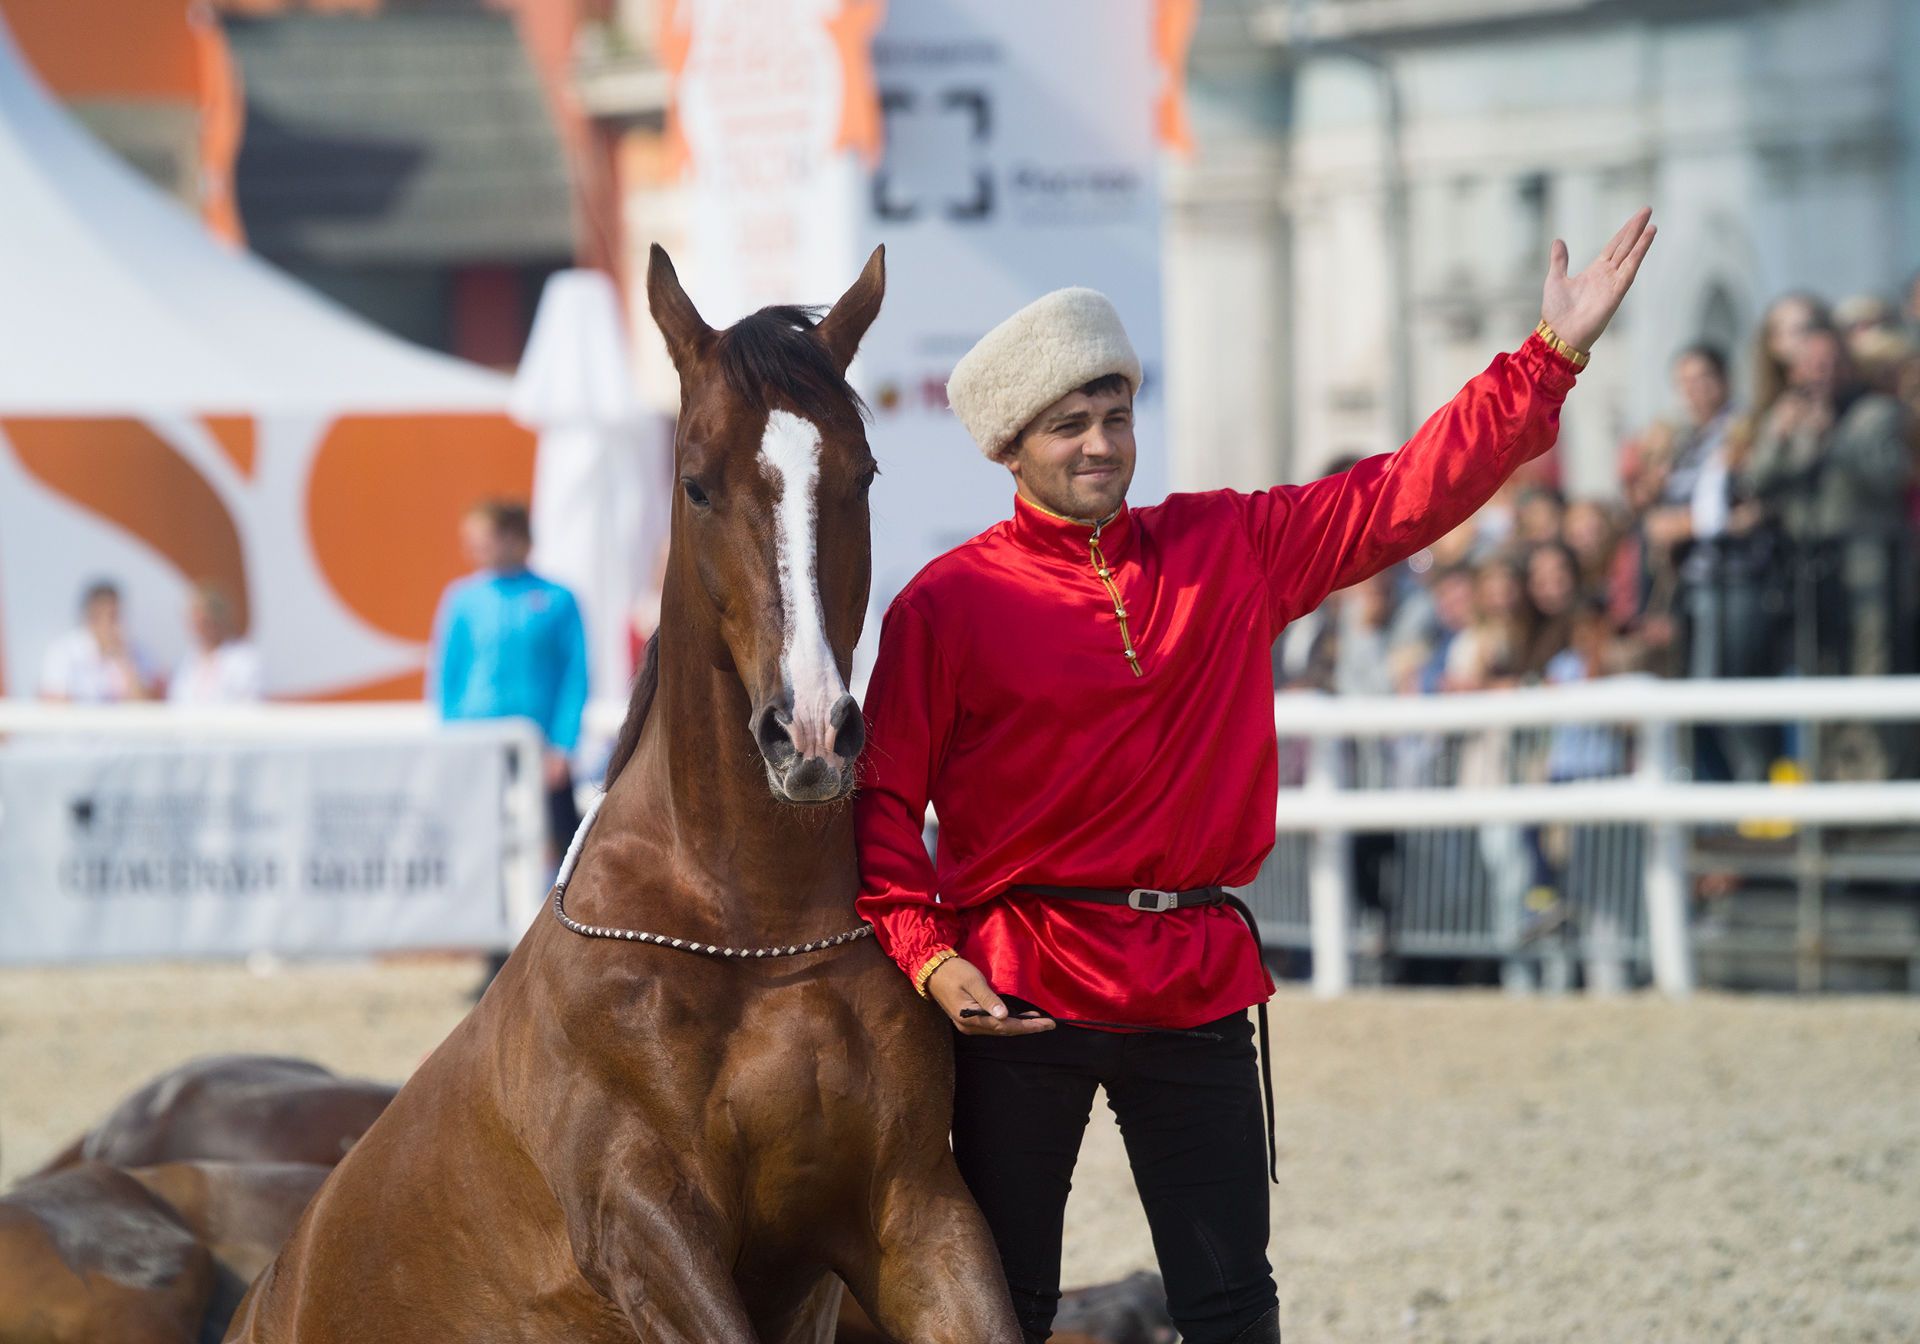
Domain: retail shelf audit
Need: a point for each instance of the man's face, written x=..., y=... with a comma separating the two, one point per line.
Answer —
x=1076, y=458
x=103, y=615
x=1702, y=390
x=486, y=547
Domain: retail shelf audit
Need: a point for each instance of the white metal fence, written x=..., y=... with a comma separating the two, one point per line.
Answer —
x=1467, y=784
x=1408, y=827
x=155, y=830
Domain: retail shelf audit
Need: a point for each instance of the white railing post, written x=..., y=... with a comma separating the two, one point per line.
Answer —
x=1664, y=883
x=523, y=866
x=1329, y=874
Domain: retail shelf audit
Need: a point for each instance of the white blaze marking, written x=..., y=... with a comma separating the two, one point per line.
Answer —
x=790, y=451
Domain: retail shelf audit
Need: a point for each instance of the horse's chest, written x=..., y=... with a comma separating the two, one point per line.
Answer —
x=803, y=1096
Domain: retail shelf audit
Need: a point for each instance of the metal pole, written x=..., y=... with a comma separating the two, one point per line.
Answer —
x=1399, y=250
x=1303, y=44
x=1664, y=885
x=1329, y=882
x=523, y=865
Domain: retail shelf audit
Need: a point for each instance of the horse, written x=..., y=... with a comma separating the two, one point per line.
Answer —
x=90, y=1253
x=234, y=1108
x=152, y=1255
x=634, y=1134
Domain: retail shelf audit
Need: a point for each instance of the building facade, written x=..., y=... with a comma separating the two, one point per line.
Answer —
x=1377, y=184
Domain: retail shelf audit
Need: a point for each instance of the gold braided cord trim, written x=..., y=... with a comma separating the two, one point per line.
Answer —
x=1578, y=358
x=929, y=966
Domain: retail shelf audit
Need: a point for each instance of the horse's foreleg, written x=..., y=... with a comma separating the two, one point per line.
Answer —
x=679, y=1293
x=931, y=1274
x=661, y=1264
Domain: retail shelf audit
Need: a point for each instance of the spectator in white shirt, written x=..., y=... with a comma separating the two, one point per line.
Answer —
x=222, y=668
x=1724, y=566
x=97, y=664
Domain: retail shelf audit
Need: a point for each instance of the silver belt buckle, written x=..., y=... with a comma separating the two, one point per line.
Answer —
x=1152, y=901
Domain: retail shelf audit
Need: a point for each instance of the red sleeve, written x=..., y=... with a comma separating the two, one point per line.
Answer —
x=1317, y=538
x=911, y=709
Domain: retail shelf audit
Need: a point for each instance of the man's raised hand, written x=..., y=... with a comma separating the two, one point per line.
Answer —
x=1578, y=307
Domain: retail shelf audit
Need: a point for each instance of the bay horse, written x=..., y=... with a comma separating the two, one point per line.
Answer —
x=233, y=1108
x=628, y=1139
x=152, y=1255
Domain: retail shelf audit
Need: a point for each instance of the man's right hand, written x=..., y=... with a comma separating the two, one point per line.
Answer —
x=956, y=984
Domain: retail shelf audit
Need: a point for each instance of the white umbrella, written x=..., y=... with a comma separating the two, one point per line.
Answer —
x=598, y=482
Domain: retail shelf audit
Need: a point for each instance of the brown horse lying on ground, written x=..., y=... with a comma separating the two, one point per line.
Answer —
x=91, y=1254
x=649, y=1138
x=235, y=1108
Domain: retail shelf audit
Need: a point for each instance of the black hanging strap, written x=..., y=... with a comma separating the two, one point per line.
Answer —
x=1266, y=1046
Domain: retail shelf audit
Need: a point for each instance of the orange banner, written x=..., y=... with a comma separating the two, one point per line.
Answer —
x=1173, y=25
x=852, y=30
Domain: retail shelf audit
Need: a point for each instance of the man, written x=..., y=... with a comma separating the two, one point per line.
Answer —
x=1084, y=693
x=508, y=643
x=1693, y=488
x=1452, y=614
x=1832, y=463
x=97, y=664
x=1720, y=562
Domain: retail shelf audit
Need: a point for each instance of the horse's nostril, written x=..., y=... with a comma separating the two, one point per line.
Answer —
x=849, y=728
x=773, y=733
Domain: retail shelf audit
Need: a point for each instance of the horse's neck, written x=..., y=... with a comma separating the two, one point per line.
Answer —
x=696, y=792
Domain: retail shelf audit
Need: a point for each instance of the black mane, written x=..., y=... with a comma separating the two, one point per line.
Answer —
x=772, y=361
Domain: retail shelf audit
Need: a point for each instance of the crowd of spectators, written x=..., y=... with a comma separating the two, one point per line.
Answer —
x=1765, y=537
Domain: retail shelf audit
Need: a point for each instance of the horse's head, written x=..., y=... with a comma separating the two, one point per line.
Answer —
x=770, y=526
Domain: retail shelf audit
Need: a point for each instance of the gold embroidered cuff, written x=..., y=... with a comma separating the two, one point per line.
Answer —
x=1578, y=358
x=929, y=966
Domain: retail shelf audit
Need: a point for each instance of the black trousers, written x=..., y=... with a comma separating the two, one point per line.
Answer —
x=1189, y=1112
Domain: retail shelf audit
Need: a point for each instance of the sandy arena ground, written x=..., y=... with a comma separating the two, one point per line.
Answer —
x=1457, y=1166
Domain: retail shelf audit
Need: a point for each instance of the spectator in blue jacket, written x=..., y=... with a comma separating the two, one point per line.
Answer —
x=508, y=643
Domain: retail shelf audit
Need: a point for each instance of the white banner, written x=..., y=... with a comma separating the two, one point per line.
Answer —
x=1018, y=155
x=224, y=850
x=1020, y=158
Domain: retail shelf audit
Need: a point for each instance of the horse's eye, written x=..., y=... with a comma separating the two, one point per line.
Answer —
x=695, y=493
x=865, y=481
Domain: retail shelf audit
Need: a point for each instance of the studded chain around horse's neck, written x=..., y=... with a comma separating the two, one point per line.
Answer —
x=662, y=940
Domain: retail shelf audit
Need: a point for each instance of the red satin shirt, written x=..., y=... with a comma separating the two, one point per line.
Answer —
x=1003, y=693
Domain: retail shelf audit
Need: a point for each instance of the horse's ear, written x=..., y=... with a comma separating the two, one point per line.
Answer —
x=848, y=320
x=673, y=312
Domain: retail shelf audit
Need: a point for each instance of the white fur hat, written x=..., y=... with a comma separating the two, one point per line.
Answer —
x=1055, y=344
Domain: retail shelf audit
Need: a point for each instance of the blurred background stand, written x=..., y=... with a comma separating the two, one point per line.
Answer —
x=599, y=477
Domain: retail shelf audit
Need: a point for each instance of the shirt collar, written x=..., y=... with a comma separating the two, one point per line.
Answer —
x=1048, y=533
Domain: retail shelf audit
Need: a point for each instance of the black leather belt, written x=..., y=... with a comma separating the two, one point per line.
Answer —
x=1155, y=901
x=1150, y=899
